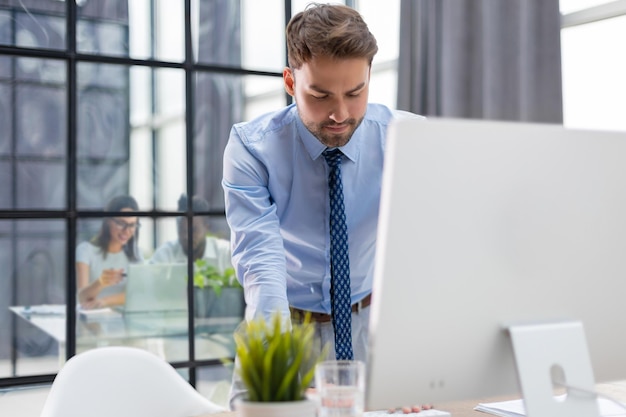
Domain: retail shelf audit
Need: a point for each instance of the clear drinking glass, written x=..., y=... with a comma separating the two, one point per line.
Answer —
x=341, y=388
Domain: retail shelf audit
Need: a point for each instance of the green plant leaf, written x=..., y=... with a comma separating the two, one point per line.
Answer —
x=277, y=365
x=208, y=274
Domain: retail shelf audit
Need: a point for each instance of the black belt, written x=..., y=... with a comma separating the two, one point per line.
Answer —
x=298, y=314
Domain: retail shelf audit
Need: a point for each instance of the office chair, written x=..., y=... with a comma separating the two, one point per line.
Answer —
x=123, y=382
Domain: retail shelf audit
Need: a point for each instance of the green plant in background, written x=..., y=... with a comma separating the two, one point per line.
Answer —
x=206, y=274
x=276, y=365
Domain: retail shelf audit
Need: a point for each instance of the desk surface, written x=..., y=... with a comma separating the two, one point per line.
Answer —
x=616, y=390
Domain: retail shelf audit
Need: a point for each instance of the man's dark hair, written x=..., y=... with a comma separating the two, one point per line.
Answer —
x=331, y=30
x=197, y=203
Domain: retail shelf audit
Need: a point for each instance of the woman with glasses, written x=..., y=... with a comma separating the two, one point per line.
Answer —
x=102, y=262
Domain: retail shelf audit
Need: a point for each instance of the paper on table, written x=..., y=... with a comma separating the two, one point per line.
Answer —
x=515, y=408
x=45, y=309
x=98, y=312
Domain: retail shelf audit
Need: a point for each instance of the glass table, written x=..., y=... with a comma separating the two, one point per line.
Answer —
x=163, y=333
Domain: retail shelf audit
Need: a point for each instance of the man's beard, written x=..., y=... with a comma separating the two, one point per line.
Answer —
x=329, y=139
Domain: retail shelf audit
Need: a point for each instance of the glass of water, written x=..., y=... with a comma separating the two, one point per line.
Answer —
x=340, y=386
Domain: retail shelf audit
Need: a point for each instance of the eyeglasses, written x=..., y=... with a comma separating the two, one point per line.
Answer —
x=123, y=226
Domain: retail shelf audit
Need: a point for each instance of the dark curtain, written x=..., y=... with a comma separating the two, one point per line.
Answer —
x=481, y=59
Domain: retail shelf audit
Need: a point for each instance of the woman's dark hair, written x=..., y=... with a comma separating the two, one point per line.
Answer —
x=102, y=239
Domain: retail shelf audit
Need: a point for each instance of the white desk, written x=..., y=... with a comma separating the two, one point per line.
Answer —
x=164, y=334
x=616, y=390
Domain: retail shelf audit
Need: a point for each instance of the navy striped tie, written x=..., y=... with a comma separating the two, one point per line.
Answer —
x=339, y=261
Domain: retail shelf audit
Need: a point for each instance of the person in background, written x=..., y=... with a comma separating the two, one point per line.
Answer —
x=277, y=185
x=102, y=261
x=212, y=249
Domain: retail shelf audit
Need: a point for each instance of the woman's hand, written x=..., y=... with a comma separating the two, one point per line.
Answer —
x=111, y=277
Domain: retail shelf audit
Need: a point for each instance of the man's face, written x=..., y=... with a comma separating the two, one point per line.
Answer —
x=331, y=96
x=199, y=231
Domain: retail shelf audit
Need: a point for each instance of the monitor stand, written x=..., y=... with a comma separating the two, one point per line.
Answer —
x=543, y=350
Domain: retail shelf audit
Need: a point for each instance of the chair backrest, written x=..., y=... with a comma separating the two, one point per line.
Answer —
x=123, y=382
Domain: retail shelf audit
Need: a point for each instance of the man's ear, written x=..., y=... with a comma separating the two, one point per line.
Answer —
x=289, y=81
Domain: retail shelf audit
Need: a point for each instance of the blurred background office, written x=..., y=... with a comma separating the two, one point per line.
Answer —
x=100, y=98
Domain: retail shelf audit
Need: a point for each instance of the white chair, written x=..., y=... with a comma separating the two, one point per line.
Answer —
x=123, y=382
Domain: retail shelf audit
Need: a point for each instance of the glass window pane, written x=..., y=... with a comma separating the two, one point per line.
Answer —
x=41, y=185
x=219, y=227
x=102, y=133
x=380, y=17
x=218, y=104
x=7, y=298
x=104, y=38
x=383, y=86
x=156, y=30
x=262, y=94
x=248, y=34
x=41, y=128
x=33, y=118
x=5, y=68
x=6, y=119
x=263, y=35
x=170, y=177
x=6, y=185
x=36, y=27
x=592, y=52
x=6, y=28
x=216, y=32
x=140, y=41
x=218, y=298
x=44, y=71
x=158, y=157
x=34, y=250
x=102, y=27
x=141, y=29
x=164, y=236
x=169, y=33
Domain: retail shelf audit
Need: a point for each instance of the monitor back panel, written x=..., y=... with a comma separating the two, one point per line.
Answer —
x=486, y=224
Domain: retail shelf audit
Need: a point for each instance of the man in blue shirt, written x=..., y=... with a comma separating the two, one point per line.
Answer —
x=276, y=177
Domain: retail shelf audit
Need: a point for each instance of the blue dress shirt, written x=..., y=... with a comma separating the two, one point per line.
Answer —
x=276, y=193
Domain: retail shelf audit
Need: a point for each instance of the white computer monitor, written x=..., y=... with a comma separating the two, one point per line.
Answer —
x=487, y=224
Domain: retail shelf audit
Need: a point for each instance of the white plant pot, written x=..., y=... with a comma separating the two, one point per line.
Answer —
x=304, y=408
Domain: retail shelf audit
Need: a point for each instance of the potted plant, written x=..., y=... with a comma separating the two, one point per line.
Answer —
x=276, y=366
x=217, y=294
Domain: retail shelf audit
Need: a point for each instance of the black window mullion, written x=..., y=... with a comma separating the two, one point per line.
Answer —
x=189, y=142
x=70, y=331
